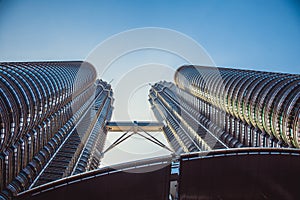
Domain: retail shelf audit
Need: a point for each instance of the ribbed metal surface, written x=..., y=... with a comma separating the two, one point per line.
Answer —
x=238, y=107
x=186, y=130
x=46, y=107
x=264, y=103
x=81, y=150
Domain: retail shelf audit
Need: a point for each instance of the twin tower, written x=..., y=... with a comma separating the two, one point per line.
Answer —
x=53, y=116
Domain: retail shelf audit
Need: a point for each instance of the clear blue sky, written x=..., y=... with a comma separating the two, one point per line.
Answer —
x=254, y=34
x=251, y=34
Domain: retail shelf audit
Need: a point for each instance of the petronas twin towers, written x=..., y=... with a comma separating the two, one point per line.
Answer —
x=211, y=108
x=53, y=118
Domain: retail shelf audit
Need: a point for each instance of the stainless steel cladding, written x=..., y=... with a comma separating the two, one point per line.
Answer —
x=44, y=108
x=238, y=107
x=258, y=108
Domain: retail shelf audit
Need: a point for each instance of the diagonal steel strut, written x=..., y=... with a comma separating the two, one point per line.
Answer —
x=122, y=138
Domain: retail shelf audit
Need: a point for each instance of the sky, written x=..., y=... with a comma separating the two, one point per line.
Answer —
x=249, y=34
x=256, y=34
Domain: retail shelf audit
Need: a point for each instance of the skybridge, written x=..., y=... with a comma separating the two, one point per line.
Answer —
x=129, y=129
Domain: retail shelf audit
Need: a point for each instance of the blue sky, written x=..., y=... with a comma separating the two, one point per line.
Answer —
x=256, y=34
x=249, y=34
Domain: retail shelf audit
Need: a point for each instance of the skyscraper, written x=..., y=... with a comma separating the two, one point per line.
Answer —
x=55, y=117
x=212, y=108
x=52, y=118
